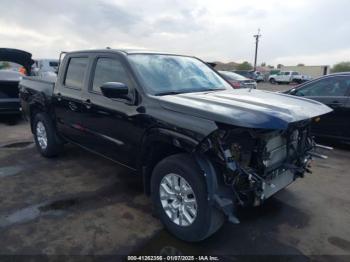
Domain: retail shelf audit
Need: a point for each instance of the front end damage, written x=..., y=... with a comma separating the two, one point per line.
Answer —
x=251, y=165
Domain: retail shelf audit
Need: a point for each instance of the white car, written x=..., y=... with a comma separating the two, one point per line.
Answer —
x=45, y=67
x=287, y=77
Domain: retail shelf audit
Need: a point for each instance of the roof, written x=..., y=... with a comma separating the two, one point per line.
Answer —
x=125, y=51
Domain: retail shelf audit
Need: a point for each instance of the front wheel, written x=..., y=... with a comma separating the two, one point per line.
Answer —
x=46, y=140
x=272, y=81
x=180, y=198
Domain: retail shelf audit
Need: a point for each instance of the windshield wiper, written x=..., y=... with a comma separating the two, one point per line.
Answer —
x=187, y=91
x=209, y=89
x=169, y=93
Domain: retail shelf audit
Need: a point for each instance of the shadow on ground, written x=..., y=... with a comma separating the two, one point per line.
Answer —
x=256, y=235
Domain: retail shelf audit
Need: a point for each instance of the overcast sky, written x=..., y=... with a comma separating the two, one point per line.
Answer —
x=298, y=31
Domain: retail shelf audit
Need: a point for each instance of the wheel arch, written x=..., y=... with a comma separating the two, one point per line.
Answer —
x=38, y=104
x=162, y=143
x=159, y=143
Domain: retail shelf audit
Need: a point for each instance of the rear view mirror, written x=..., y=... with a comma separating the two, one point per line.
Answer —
x=115, y=90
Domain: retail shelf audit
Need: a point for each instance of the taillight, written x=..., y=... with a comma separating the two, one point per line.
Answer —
x=22, y=71
x=235, y=84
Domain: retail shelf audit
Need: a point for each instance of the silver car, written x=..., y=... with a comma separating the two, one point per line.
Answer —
x=237, y=81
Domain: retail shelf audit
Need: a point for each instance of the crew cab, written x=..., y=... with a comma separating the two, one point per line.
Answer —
x=201, y=147
x=287, y=77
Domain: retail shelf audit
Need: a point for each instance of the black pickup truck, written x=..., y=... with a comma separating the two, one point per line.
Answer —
x=202, y=148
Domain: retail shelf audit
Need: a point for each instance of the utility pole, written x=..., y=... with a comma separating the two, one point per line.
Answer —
x=257, y=36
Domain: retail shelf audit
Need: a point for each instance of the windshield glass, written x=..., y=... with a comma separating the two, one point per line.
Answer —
x=167, y=74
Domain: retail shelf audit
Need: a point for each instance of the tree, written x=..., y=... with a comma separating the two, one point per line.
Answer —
x=341, y=67
x=245, y=66
x=279, y=66
x=263, y=64
x=300, y=64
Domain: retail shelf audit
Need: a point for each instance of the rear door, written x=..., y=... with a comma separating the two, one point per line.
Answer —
x=67, y=97
x=334, y=92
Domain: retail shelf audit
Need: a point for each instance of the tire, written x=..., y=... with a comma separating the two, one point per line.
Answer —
x=43, y=123
x=207, y=220
x=272, y=81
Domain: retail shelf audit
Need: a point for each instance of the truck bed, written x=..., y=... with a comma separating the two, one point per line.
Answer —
x=38, y=84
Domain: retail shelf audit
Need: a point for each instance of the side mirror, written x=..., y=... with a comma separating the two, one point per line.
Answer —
x=115, y=90
x=292, y=92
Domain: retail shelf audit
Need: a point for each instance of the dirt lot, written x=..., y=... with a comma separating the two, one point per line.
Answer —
x=81, y=204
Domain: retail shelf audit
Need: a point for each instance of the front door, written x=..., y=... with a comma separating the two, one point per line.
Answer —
x=114, y=123
x=334, y=92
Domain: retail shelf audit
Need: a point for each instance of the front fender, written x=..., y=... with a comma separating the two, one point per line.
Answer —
x=171, y=137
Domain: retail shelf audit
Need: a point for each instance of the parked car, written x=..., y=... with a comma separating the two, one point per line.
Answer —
x=202, y=147
x=334, y=91
x=259, y=77
x=9, y=79
x=238, y=81
x=45, y=67
x=286, y=77
x=254, y=75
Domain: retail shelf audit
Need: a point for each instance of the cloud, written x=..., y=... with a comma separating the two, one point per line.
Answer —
x=309, y=31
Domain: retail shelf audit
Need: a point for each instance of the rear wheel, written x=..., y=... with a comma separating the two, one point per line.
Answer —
x=180, y=198
x=272, y=81
x=46, y=140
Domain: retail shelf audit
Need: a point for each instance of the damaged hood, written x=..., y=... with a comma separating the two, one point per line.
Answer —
x=244, y=108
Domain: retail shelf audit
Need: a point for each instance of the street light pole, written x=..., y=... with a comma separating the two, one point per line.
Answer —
x=257, y=36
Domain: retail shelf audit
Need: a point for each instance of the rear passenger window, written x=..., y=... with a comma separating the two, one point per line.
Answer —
x=76, y=72
x=109, y=70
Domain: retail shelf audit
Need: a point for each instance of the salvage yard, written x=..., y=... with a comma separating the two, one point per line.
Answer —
x=81, y=204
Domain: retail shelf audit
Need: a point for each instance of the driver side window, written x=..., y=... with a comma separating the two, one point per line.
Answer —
x=335, y=86
x=109, y=70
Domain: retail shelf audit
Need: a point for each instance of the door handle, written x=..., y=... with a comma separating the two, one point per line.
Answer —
x=87, y=103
